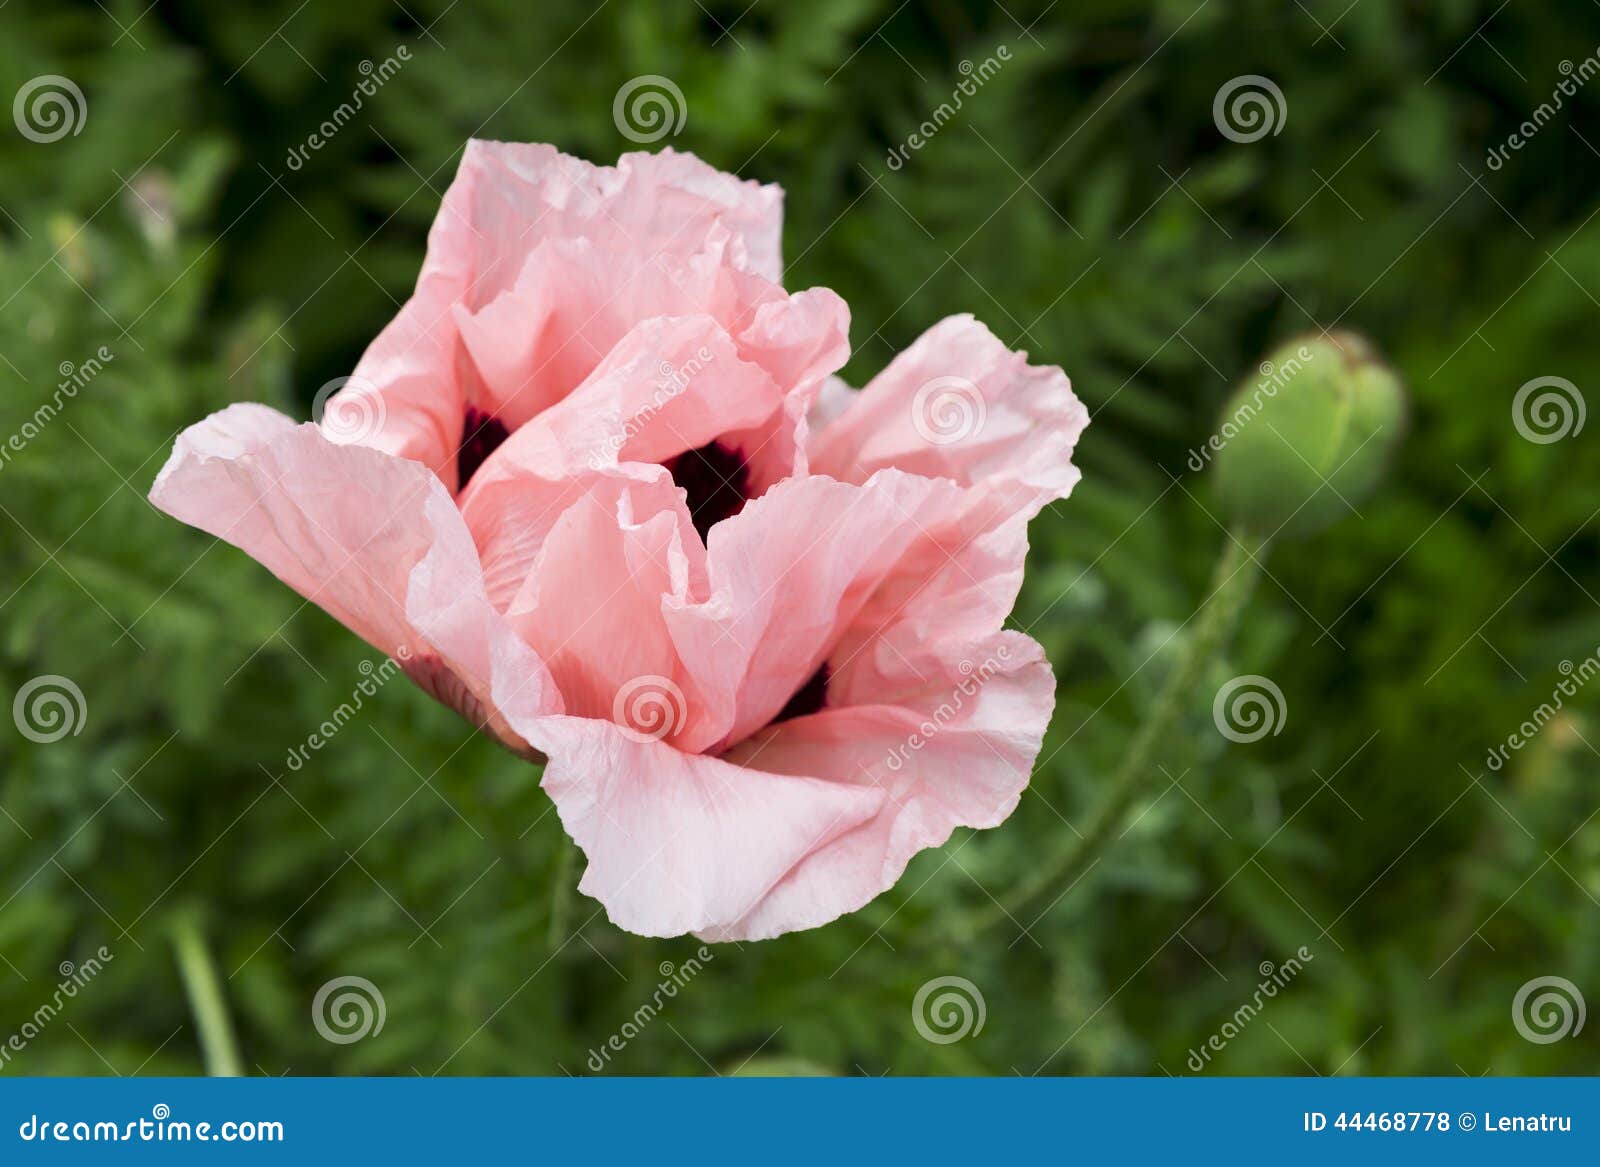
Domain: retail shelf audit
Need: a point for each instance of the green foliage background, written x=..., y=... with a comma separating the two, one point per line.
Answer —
x=1085, y=206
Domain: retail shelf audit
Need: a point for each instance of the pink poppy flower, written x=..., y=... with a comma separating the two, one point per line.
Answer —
x=597, y=488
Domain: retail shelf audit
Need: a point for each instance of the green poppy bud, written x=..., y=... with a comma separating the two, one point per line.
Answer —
x=1302, y=444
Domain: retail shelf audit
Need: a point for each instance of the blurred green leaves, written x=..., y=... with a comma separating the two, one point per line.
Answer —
x=1083, y=204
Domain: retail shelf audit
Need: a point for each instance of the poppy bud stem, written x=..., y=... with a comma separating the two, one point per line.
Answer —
x=1238, y=568
x=206, y=1002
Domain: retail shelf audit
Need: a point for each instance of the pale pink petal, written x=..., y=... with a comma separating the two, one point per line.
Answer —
x=950, y=743
x=832, y=400
x=505, y=201
x=412, y=368
x=754, y=211
x=683, y=842
x=575, y=299
x=671, y=384
x=959, y=404
x=569, y=256
x=374, y=540
x=572, y=301
x=478, y=665
x=591, y=605
x=523, y=194
x=627, y=407
x=800, y=341
x=787, y=575
x=511, y=516
x=960, y=579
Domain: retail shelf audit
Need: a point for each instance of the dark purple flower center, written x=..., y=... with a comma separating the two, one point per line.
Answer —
x=809, y=699
x=715, y=478
x=481, y=435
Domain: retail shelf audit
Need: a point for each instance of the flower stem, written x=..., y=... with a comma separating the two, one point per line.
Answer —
x=1237, y=570
x=206, y=1001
